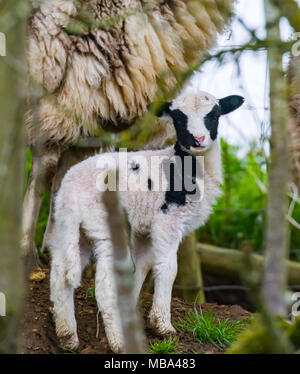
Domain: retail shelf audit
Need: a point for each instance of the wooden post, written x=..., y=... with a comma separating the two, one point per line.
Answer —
x=189, y=277
x=12, y=171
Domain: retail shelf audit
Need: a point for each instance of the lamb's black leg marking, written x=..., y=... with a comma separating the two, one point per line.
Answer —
x=150, y=184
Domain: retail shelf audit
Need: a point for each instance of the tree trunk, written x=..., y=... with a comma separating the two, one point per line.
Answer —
x=188, y=284
x=274, y=282
x=11, y=177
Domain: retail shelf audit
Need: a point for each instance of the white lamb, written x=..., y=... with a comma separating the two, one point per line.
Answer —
x=159, y=215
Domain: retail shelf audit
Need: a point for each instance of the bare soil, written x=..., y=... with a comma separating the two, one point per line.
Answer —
x=39, y=330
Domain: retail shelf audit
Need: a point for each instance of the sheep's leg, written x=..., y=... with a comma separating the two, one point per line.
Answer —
x=43, y=167
x=164, y=271
x=106, y=295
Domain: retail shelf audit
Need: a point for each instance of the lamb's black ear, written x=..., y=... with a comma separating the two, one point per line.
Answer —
x=163, y=110
x=230, y=103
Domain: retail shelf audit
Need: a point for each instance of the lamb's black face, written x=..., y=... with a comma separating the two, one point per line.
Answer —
x=196, y=118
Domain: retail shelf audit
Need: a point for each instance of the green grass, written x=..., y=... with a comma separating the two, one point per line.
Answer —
x=144, y=303
x=169, y=346
x=207, y=328
x=90, y=293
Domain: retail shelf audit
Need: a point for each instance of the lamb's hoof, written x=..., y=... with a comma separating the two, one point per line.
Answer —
x=117, y=348
x=69, y=342
x=166, y=330
x=161, y=327
x=115, y=342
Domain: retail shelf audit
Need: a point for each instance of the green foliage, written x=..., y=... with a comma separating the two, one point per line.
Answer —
x=43, y=219
x=144, y=303
x=28, y=165
x=253, y=340
x=206, y=328
x=256, y=339
x=44, y=212
x=239, y=215
x=294, y=333
x=169, y=346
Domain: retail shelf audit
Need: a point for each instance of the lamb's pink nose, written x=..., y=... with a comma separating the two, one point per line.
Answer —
x=200, y=139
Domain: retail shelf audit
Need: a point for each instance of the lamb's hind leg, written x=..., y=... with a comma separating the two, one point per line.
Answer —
x=62, y=296
x=65, y=277
x=106, y=295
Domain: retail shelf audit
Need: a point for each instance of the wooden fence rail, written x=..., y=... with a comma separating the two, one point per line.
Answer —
x=231, y=263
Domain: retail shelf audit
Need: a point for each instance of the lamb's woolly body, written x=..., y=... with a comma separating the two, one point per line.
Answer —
x=108, y=75
x=143, y=208
x=158, y=217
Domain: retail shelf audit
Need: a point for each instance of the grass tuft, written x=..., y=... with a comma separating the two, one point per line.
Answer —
x=90, y=293
x=206, y=328
x=169, y=346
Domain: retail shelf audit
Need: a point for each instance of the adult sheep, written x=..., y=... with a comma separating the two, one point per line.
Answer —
x=105, y=74
x=162, y=205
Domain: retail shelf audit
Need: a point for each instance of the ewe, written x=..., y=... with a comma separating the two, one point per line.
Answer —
x=160, y=214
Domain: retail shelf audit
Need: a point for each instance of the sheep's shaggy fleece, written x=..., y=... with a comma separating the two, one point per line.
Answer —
x=106, y=74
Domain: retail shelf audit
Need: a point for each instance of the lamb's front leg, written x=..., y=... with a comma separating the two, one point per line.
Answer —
x=106, y=295
x=164, y=271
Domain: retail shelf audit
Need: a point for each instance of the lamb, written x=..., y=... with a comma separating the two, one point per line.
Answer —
x=105, y=76
x=159, y=215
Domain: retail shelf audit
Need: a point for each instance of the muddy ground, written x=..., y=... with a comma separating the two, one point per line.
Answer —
x=39, y=331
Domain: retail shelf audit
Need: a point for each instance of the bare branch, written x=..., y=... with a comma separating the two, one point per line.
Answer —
x=134, y=338
x=276, y=247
